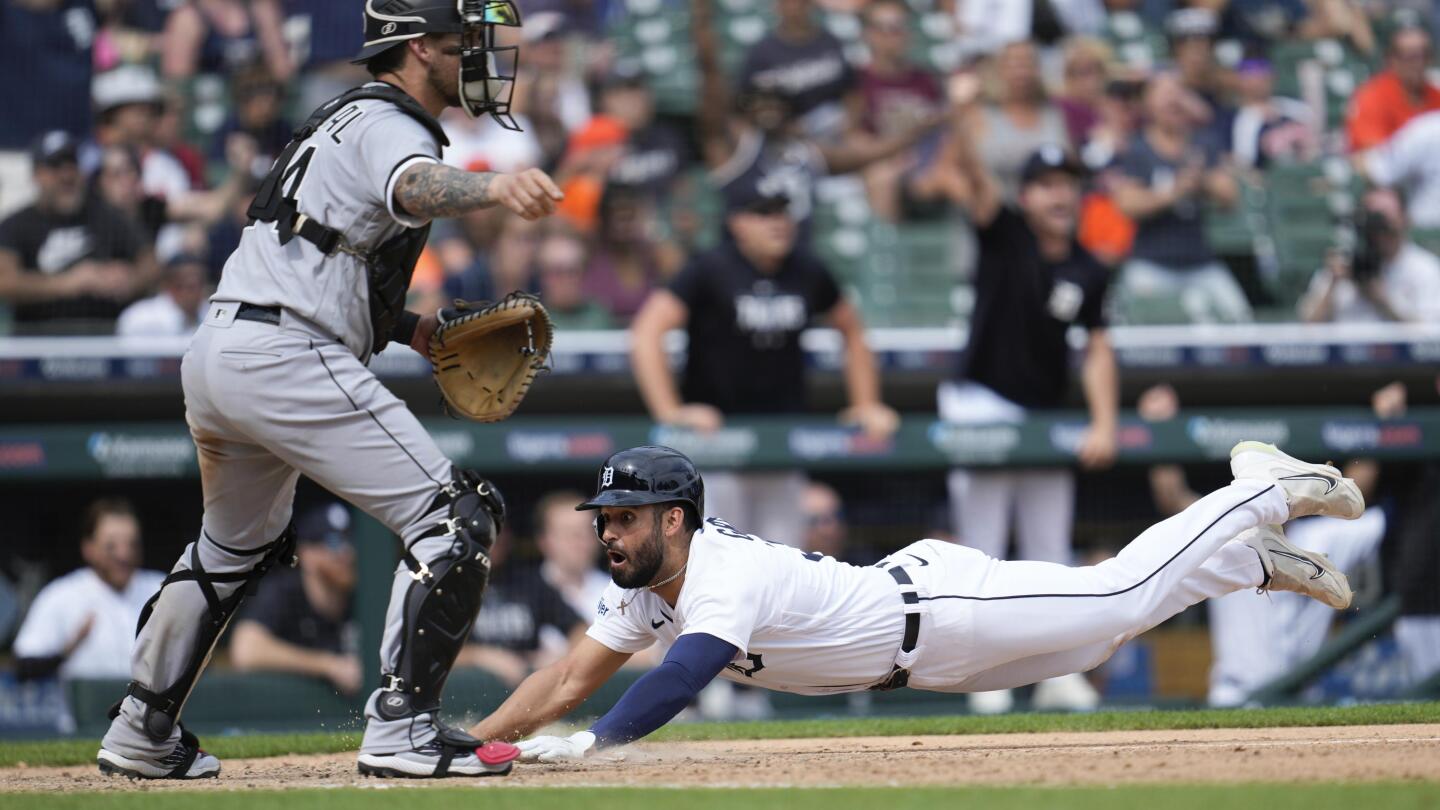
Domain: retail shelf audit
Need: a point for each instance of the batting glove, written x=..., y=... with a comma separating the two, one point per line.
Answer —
x=552, y=749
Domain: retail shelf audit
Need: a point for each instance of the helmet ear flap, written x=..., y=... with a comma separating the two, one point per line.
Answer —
x=599, y=524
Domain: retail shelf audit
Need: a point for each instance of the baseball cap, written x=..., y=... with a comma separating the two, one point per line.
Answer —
x=752, y=198
x=327, y=525
x=125, y=85
x=1046, y=159
x=55, y=148
x=1191, y=22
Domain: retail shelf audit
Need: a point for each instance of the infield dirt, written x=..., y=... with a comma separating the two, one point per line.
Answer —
x=1325, y=754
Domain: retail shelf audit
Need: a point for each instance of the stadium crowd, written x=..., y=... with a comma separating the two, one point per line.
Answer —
x=140, y=127
x=1235, y=160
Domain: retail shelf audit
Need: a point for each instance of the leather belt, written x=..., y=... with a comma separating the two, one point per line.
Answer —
x=253, y=312
x=899, y=676
x=912, y=617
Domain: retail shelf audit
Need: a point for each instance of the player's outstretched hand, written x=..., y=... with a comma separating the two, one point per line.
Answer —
x=1097, y=447
x=551, y=749
x=530, y=193
x=876, y=419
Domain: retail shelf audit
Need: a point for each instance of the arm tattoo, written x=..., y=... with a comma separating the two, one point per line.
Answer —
x=434, y=190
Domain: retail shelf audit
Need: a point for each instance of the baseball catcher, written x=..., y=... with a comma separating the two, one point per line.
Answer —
x=276, y=386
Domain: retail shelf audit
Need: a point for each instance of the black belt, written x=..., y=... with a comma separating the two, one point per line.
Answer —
x=253, y=312
x=912, y=619
x=899, y=676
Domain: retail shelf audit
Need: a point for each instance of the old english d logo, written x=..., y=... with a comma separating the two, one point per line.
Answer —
x=607, y=477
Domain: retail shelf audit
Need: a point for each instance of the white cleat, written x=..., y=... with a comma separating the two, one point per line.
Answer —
x=998, y=701
x=1310, y=489
x=186, y=761
x=1290, y=568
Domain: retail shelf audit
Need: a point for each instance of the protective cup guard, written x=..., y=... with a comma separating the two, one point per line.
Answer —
x=442, y=601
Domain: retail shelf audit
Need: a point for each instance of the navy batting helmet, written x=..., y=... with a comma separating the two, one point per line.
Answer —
x=487, y=71
x=645, y=475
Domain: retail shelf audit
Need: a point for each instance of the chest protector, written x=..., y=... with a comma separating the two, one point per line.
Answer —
x=388, y=267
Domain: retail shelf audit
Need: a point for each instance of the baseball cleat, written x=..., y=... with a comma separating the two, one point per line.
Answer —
x=1310, y=489
x=186, y=761
x=1290, y=568
x=436, y=760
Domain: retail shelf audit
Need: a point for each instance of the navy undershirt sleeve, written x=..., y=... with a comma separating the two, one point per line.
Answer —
x=655, y=699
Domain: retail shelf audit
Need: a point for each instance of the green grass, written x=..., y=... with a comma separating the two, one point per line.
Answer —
x=76, y=752
x=1171, y=797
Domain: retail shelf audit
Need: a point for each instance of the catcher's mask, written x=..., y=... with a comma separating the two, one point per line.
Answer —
x=487, y=70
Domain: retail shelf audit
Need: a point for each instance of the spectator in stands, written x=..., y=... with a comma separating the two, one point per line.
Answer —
x=804, y=66
x=328, y=39
x=1033, y=283
x=1409, y=162
x=570, y=553
x=117, y=181
x=1256, y=638
x=895, y=94
x=1389, y=277
x=520, y=611
x=176, y=310
x=1017, y=119
x=223, y=37
x=744, y=305
x=1395, y=95
x=560, y=270
x=826, y=530
x=1191, y=33
x=762, y=141
x=1163, y=182
x=69, y=262
x=1269, y=127
x=82, y=625
x=1416, y=563
x=556, y=101
x=630, y=256
x=129, y=103
x=301, y=619
x=257, y=111
x=45, y=55
x=1087, y=64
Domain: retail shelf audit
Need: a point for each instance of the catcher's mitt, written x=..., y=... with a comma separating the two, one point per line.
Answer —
x=485, y=355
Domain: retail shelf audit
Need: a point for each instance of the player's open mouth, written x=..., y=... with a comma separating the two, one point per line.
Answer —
x=615, y=557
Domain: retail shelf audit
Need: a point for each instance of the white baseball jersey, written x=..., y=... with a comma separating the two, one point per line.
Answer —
x=343, y=177
x=802, y=623
x=63, y=606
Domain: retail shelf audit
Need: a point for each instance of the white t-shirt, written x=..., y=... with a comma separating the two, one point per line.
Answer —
x=62, y=607
x=158, y=316
x=1412, y=286
x=1410, y=160
x=802, y=623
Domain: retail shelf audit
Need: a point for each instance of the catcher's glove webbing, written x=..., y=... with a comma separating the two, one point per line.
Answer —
x=485, y=355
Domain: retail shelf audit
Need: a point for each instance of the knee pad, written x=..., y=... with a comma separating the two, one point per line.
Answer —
x=441, y=602
x=163, y=705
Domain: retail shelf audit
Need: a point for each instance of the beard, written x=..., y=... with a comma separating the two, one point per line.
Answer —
x=643, y=563
x=446, y=84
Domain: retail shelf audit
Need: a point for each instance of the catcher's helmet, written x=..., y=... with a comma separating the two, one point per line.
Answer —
x=645, y=475
x=487, y=72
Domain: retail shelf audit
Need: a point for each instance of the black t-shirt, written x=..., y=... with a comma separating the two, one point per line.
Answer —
x=744, y=354
x=813, y=77
x=774, y=166
x=51, y=243
x=516, y=605
x=280, y=606
x=1023, y=307
x=653, y=158
x=1175, y=237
